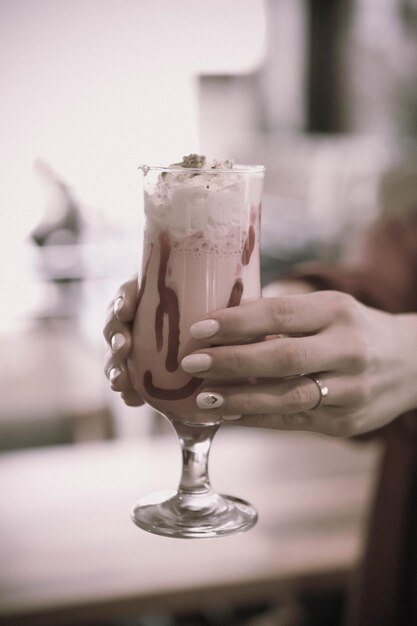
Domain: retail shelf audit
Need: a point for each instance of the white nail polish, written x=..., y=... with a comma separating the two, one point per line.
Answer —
x=117, y=341
x=117, y=306
x=204, y=329
x=231, y=417
x=208, y=400
x=114, y=374
x=194, y=363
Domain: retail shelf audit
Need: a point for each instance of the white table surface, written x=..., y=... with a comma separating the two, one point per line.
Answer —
x=68, y=550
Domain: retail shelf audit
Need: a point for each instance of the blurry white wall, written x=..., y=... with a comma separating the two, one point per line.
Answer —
x=94, y=87
x=382, y=57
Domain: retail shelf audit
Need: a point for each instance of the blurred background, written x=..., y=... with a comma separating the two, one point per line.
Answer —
x=323, y=92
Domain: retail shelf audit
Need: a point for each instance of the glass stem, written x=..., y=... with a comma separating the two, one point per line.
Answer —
x=195, y=443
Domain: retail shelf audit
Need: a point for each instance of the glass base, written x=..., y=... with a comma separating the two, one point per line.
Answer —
x=193, y=516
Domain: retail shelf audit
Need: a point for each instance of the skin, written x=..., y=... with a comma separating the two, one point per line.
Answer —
x=366, y=357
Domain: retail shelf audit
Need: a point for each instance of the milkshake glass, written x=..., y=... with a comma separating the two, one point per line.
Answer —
x=200, y=252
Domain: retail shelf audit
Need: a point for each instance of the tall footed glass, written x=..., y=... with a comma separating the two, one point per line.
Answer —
x=200, y=253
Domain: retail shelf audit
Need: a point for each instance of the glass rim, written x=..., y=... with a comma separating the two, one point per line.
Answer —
x=237, y=169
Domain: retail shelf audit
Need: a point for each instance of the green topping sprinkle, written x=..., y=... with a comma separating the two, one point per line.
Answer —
x=192, y=161
x=198, y=161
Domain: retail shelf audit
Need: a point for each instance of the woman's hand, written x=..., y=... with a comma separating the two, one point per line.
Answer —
x=365, y=357
x=118, y=334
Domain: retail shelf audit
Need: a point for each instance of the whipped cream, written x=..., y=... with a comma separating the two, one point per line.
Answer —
x=205, y=199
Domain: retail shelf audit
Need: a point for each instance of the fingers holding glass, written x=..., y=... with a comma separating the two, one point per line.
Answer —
x=122, y=308
x=124, y=305
x=307, y=313
x=276, y=358
x=336, y=407
x=118, y=335
x=116, y=371
x=283, y=396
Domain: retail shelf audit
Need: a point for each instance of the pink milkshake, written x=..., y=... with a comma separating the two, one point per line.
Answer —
x=200, y=253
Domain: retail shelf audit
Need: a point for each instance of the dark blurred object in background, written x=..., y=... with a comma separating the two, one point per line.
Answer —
x=58, y=235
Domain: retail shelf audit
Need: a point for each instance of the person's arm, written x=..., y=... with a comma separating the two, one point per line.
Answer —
x=384, y=274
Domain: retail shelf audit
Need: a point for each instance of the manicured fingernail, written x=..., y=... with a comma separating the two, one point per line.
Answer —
x=114, y=373
x=207, y=400
x=204, y=329
x=118, y=305
x=196, y=363
x=231, y=417
x=117, y=341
